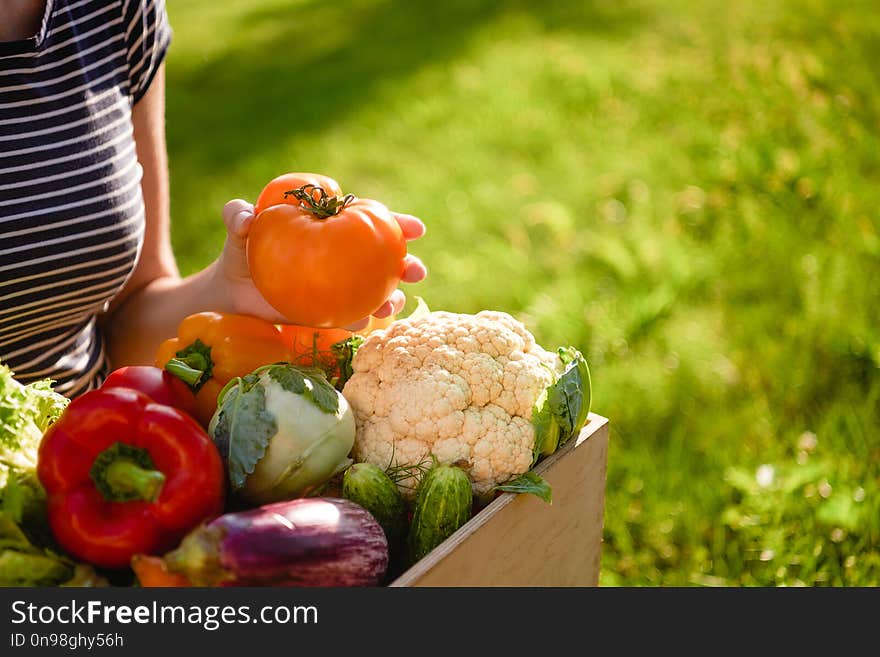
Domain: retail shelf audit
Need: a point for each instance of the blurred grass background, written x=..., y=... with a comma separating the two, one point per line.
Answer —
x=688, y=191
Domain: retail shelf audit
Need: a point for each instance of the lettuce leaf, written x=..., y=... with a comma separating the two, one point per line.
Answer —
x=26, y=411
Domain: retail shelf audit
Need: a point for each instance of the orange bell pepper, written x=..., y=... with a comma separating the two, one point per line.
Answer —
x=212, y=348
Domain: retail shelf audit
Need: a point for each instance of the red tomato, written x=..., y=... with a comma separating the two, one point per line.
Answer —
x=274, y=192
x=159, y=385
x=311, y=347
x=327, y=260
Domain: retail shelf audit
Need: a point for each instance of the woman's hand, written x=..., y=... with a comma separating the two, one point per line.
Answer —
x=243, y=297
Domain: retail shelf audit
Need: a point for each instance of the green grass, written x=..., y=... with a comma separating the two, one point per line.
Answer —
x=688, y=191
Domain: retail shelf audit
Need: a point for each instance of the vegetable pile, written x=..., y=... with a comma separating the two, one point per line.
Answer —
x=256, y=454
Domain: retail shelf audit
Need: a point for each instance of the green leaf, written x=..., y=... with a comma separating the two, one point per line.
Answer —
x=321, y=392
x=311, y=383
x=84, y=575
x=16, y=498
x=531, y=483
x=244, y=429
x=24, y=564
x=291, y=379
x=48, y=404
x=546, y=429
x=570, y=397
x=26, y=411
x=219, y=427
x=11, y=535
x=31, y=569
x=344, y=352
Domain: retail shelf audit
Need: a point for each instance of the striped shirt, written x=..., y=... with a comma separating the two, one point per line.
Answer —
x=71, y=208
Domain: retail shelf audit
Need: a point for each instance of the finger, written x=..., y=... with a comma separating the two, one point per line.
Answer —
x=412, y=227
x=384, y=310
x=414, y=270
x=392, y=306
x=398, y=301
x=238, y=216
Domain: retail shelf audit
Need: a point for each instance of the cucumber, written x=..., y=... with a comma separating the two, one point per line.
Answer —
x=370, y=487
x=444, y=502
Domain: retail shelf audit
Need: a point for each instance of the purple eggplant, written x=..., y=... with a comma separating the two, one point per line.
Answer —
x=314, y=541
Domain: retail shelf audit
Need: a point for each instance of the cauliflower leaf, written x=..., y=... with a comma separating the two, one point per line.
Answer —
x=529, y=482
x=570, y=397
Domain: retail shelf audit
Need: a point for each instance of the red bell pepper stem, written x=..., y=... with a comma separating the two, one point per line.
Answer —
x=126, y=478
x=124, y=473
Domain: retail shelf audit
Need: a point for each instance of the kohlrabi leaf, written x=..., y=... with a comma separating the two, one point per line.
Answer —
x=531, y=483
x=244, y=428
x=218, y=428
x=311, y=383
x=569, y=398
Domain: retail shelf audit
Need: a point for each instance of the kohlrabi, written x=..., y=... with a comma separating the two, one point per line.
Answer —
x=283, y=431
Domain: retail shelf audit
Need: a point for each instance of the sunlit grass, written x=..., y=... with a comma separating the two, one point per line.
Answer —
x=688, y=191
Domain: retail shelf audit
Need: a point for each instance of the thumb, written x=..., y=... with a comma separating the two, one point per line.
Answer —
x=238, y=215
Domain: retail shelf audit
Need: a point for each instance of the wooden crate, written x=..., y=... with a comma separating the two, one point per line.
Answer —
x=519, y=540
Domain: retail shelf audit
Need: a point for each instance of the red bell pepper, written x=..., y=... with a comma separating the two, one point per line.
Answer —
x=159, y=385
x=125, y=475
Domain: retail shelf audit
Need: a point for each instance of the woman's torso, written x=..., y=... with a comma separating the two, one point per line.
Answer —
x=71, y=210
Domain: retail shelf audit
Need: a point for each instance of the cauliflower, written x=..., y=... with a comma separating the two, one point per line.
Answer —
x=471, y=390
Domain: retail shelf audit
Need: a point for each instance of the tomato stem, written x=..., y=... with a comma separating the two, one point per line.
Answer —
x=314, y=199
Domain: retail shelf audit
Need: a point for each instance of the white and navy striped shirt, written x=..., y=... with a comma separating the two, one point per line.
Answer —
x=71, y=209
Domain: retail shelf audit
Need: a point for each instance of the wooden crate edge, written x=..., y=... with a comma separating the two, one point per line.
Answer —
x=411, y=576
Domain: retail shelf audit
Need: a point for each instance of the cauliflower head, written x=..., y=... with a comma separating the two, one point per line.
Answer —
x=456, y=386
